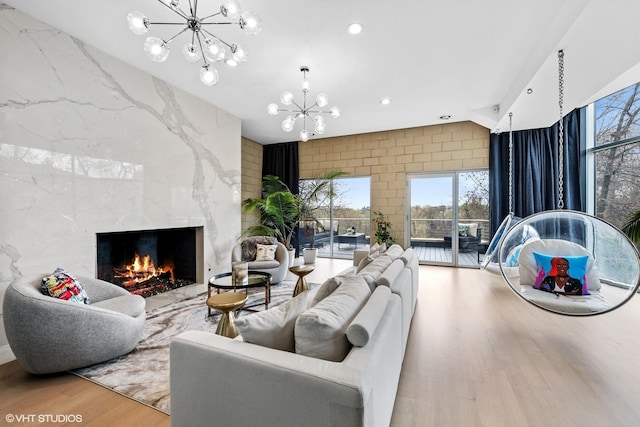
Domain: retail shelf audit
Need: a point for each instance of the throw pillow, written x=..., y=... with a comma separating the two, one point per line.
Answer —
x=248, y=246
x=366, y=261
x=265, y=252
x=320, y=331
x=376, y=248
x=561, y=274
x=514, y=254
x=473, y=229
x=326, y=289
x=63, y=285
x=463, y=230
x=273, y=327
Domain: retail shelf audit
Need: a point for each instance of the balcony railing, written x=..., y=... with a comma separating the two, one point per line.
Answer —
x=421, y=229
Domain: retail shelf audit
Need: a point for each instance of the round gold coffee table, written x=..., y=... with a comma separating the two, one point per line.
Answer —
x=226, y=304
x=301, y=271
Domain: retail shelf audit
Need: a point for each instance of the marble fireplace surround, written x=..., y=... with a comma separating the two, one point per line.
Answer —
x=89, y=144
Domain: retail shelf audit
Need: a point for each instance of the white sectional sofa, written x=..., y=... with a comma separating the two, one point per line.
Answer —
x=220, y=381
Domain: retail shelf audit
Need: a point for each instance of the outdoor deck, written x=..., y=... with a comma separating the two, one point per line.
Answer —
x=426, y=254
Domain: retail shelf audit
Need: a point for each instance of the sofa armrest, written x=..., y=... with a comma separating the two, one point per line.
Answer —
x=358, y=255
x=238, y=383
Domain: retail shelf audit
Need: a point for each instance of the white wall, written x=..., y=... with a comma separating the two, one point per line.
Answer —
x=89, y=144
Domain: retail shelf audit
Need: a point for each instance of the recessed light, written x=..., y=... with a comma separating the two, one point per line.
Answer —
x=445, y=117
x=529, y=91
x=354, y=28
x=385, y=101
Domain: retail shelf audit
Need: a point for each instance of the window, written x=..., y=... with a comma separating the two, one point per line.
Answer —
x=342, y=217
x=616, y=155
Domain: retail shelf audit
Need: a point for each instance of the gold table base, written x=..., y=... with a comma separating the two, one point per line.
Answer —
x=301, y=271
x=226, y=304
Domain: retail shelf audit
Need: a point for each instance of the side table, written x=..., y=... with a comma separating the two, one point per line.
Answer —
x=226, y=304
x=301, y=271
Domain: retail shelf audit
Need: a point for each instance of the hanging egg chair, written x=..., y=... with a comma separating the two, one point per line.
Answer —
x=568, y=262
x=579, y=265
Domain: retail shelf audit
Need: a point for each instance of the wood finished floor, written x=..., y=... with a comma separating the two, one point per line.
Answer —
x=477, y=356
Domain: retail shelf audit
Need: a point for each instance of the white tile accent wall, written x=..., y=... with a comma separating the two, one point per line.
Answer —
x=89, y=144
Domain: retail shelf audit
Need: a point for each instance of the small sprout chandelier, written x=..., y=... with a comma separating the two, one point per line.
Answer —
x=202, y=44
x=303, y=111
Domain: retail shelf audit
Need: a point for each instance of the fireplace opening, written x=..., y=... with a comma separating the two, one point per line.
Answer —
x=149, y=262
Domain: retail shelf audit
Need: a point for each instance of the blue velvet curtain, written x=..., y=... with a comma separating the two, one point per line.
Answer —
x=535, y=170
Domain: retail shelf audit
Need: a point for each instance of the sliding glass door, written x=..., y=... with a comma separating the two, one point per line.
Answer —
x=343, y=218
x=448, y=216
x=430, y=219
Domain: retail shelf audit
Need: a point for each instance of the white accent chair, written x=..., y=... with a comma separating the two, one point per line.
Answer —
x=246, y=250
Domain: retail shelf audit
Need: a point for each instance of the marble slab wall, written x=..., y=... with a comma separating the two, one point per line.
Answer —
x=89, y=144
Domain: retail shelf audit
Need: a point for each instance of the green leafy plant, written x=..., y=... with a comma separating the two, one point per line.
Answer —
x=278, y=209
x=383, y=229
x=632, y=227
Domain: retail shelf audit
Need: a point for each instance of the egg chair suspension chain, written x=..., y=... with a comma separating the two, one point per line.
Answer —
x=561, y=130
x=510, y=164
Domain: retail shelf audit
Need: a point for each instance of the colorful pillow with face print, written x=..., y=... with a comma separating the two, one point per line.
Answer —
x=561, y=274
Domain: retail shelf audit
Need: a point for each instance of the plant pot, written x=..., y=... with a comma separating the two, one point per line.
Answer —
x=292, y=257
x=310, y=255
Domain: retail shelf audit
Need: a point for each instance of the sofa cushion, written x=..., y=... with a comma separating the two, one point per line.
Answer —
x=374, y=269
x=366, y=261
x=261, y=265
x=63, y=285
x=320, y=331
x=130, y=305
x=273, y=327
x=327, y=288
x=389, y=275
x=394, y=251
x=364, y=325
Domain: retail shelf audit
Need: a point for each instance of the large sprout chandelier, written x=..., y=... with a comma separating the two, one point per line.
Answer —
x=303, y=111
x=203, y=44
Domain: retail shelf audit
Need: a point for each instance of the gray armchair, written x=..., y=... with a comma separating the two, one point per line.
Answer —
x=246, y=250
x=50, y=335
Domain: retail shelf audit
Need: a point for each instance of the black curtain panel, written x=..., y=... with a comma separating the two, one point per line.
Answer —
x=535, y=170
x=281, y=160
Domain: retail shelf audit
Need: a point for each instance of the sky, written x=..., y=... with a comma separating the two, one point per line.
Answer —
x=432, y=191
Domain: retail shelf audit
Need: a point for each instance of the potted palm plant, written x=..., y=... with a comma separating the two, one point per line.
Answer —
x=314, y=194
x=278, y=211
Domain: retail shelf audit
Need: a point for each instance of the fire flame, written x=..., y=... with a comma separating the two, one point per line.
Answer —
x=142, y=269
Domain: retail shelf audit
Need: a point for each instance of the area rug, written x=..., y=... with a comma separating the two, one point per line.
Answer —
x=143, y=374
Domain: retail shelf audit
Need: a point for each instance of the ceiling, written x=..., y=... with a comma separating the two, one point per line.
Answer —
x=473, y=60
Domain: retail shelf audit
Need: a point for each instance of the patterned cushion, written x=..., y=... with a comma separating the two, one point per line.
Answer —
x=64, y=286
x=571, y=268
x=265, y=252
